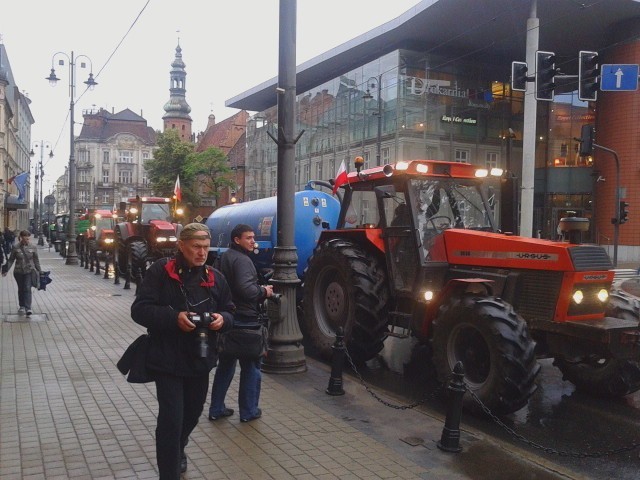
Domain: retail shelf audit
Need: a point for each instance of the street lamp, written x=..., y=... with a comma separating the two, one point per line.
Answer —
x=72, y=256
x=376, y=82
x=37, y=195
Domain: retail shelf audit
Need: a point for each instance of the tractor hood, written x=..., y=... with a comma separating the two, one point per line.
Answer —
x=163, y=225
x=486, y=249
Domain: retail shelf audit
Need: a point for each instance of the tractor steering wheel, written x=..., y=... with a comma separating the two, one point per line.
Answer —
x=442, y=226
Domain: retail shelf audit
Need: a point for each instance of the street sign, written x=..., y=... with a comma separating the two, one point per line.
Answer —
x=619, y=78
x=49, y=200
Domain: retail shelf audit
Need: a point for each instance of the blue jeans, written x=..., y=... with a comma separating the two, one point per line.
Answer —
x=249, y=391
x=24, y=289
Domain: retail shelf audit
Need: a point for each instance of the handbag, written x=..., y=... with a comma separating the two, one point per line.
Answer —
x=35, y=279
x=134, y=360
x=245, y=342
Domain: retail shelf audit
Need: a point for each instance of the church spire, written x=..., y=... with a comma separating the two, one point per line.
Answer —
x=177, y=109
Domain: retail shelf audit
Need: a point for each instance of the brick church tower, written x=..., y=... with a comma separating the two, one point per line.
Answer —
x=177, y=109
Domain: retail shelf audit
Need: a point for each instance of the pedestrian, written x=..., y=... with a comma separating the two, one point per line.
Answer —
x=173, y=294
x=9, y=239
x=240, y=271
x=25, y=256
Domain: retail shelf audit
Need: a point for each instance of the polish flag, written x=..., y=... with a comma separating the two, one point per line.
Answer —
x=176, y=190
x=341, y=177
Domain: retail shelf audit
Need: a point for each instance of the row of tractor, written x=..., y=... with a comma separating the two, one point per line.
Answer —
x=412, y=251
x=141, y=231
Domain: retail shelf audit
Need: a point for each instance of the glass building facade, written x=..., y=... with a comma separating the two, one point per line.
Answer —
x=413, y=105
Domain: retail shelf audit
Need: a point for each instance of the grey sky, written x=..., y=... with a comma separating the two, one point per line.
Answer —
x=228, y=47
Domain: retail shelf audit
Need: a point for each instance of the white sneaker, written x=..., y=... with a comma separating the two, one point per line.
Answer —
x=29, y=312
x=21, y=311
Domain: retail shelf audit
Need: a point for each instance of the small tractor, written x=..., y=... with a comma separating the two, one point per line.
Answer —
x=417, y=253
x=96, y=242
x=146, y=235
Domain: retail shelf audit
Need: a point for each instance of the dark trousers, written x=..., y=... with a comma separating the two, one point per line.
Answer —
x=24, y=289
x=180, y=402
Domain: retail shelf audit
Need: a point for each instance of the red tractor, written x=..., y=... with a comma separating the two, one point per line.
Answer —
x=416, y=252
x=146, y=235
x=96, y=243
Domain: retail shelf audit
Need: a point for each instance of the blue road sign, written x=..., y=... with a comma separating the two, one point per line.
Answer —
x=619, y=78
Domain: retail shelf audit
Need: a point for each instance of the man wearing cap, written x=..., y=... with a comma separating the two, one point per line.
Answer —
x=173, y=290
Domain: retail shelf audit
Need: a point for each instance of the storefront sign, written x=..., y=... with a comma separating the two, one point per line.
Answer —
x=465, y=120
x=420, y=86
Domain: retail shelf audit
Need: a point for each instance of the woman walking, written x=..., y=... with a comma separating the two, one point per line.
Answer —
x=26, y=259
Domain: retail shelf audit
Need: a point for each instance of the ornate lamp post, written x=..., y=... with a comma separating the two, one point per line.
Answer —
x=37, y=197
x=371, y=83
x=72, y=255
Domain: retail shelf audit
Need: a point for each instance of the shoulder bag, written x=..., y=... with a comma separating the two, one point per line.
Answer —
x=134, y=360
x=245, y=342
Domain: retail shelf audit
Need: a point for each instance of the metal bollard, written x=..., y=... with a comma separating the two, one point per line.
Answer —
x=450, y=439
x=337, y=363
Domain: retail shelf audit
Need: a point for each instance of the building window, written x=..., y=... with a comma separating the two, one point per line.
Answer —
x=385, y=153
x=83, y=196
x=105, y=176
x=124, y=176
x=145, y=155
x=105, y=198
x=83, y=176
x=319, y=170
x=492, y=160
x=305, y=173
x=105, y=156
x=366, y=157
x=126, y=156
x=461, y=156
x=145, y=178
x=84, y=156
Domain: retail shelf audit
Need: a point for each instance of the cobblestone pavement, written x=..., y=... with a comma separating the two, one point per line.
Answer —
x=66, y=411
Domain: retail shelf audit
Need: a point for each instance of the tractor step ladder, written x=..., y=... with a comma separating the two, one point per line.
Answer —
x=402, y=321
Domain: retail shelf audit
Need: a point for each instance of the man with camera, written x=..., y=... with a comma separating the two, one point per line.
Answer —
x=241, y=273
x=183, y=303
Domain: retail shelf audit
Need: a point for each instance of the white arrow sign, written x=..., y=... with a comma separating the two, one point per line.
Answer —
x=619, y=75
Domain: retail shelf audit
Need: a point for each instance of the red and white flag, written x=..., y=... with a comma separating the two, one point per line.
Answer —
x=176, y=190
x=341, y=177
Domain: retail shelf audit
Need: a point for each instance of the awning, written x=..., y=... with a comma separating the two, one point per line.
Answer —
x=11, y=202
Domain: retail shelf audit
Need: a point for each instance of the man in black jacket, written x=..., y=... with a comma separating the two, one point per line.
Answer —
x=172, y=293
x=238, y=268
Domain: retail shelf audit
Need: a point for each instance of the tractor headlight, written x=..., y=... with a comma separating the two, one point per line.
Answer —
x=603, y=295
x=428, y=295
x=578, y=296
x=173, y=239
x=108, y=240
x=161, y=239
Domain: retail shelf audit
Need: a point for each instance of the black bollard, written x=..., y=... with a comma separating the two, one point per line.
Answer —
x=450, y=439
x=116, y=272
x=337, y=363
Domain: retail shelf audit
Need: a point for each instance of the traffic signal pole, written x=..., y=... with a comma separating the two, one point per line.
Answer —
x=529, y=130
x=616, y=220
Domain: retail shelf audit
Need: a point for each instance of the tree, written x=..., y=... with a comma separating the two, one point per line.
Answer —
x=206, y=173
x=168, y=161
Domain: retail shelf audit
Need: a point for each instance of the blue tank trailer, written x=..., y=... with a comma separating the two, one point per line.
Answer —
x=315, y=211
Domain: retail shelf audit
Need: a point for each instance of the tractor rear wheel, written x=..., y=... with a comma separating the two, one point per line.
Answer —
x=599, y=374
x=345, y=287
x=493, y=343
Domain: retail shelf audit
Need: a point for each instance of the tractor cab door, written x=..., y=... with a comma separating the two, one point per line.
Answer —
x=400, y=242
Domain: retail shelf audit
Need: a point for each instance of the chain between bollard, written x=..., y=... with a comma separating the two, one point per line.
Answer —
x=553, y=451
x=381, y=400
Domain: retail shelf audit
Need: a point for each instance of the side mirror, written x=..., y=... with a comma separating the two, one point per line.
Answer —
x=385, y=191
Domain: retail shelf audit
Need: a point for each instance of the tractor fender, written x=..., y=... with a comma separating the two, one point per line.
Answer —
x=455, y=287
x=125, y=229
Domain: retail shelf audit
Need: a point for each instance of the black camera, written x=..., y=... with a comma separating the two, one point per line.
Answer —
x=202, y=323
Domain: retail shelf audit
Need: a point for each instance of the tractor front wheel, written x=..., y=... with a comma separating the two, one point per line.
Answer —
x=345, y=287
x=493, y=343
x=137, y=255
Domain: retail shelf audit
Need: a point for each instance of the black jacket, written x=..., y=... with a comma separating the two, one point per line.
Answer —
x=241, y=273
x=160, y=299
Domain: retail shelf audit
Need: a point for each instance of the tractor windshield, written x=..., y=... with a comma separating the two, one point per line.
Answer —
x=449, y=203
x=102, y=223
x=154, y=211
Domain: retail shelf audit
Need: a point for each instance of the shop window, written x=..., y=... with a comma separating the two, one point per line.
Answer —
x=461, y=155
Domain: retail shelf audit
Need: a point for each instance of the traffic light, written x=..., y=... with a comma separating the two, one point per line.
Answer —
x=623, y=213
x=588, y=79
x=519, y=76
x=587, y=135
x=545, y=73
